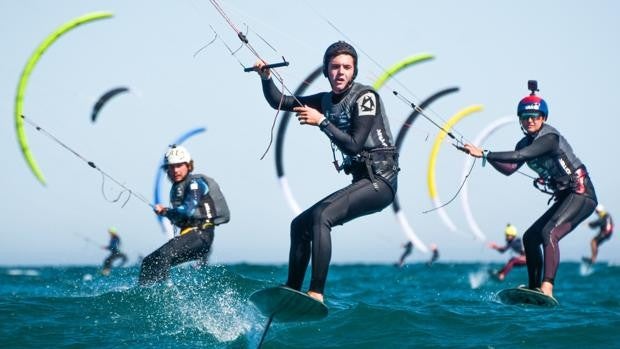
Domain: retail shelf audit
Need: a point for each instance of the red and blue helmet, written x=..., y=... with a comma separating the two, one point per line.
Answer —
x=531, y=105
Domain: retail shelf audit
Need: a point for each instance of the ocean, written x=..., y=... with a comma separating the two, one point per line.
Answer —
x=447, y=305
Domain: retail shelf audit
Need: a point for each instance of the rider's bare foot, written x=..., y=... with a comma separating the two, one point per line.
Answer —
x=316, y=295
x=547, y=288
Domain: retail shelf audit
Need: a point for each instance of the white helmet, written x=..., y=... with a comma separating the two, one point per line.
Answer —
x=600, y=208
x=176, y=154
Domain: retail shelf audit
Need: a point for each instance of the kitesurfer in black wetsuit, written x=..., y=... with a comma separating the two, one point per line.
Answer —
x=606, y=227
x=408, y=246
x=351, y=115
x=197, y=207
x=514, y=245
x=560, y=173
x=434, y=255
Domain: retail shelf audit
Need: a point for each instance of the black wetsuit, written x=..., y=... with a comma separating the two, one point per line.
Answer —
x=408, y=249
x=606, y=226
x=357, y=125
x=434, y=257
x=197, y=206
x=552, y=158
x=115, y=253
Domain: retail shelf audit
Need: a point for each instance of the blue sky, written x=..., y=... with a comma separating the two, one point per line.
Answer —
x=486, y=48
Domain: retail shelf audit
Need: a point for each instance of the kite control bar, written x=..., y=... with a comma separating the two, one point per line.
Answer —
x=268, y=66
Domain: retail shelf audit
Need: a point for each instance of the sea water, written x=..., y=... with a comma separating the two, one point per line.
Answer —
x=447, y=305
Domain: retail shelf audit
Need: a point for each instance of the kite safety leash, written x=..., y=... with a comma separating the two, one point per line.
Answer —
x=92, y=164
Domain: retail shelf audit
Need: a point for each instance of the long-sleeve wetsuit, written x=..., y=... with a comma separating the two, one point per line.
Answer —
x=434, y=257
x=197, y=206
x=358, y=127
x=552, y=158
x=515, y=246
x=408, y=249
x=606, y=228
x=115, y=253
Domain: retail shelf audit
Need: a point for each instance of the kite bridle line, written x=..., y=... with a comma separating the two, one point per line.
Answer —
x=245, y=42
x=208, y=44
x=92, y=164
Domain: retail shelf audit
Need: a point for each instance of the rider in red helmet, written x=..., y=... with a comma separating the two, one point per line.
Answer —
x=561, y=173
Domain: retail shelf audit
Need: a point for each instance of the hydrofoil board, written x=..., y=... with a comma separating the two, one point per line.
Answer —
x=285, y=304
x=523, y=295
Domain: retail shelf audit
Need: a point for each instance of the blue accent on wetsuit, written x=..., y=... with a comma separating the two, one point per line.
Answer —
x=115, y=244
x=197, y=205
x=115, y=253
x=185, y=198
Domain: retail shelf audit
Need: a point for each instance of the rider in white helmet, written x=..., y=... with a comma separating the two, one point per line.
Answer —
x=197, y=206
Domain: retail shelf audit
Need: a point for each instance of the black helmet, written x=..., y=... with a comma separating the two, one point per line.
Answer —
x=337, y=48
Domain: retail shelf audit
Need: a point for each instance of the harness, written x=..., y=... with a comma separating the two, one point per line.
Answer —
x=374, y=162
x=574, y=182
x=379, y=157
